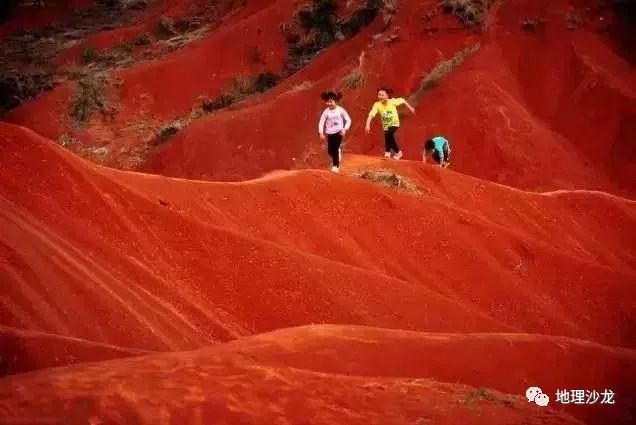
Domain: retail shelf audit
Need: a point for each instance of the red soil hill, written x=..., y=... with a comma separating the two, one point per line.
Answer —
x=544, y=109
x=540, y=110
x=333, y=374
x=157, y=263
x=27, y=350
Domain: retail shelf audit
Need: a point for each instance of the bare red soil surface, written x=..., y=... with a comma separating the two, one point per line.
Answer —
x=329, y=374
x=22, y=350
x=510, y=121
x=170, y=264
x=233, y=282
x=507, y=121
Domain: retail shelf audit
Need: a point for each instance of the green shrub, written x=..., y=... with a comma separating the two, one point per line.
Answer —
x=361, y=18
x=390, y=179
x=90, y=55
x=89, y=98
x=165, y=28
x=222, y=101
x=472, y=13
x=167, y=132
x=353, y=80
x=441, y=70
x=143, y=40
x=265, y=81
x=323, y=29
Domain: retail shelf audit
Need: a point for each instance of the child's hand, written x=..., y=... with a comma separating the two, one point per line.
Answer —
x=322, y=137
x=343, y=133
x=367, y=129
x=412, y=110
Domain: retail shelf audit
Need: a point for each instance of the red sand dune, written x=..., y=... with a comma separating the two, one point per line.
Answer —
x=510, y=118
x=333, y=374
x=318, y=298
x=23, y=351
x=164, y=264
x=164, y=267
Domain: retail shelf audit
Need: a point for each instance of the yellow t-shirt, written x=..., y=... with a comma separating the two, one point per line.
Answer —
x=388, y=112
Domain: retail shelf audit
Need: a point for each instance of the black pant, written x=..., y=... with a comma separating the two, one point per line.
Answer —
x=390, y=144
x=333, y=148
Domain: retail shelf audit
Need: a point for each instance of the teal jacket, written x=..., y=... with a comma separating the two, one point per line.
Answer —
x=441, y=146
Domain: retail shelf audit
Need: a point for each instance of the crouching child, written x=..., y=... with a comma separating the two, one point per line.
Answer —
x=439, y=148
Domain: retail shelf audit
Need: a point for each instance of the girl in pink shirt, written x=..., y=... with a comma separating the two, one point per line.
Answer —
x=333, y=125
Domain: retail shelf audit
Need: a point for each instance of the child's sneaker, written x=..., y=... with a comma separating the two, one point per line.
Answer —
x=335, y=169
x=387, y=154
x=398, y=155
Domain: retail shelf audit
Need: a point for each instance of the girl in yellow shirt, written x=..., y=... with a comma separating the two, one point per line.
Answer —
x=386, y=106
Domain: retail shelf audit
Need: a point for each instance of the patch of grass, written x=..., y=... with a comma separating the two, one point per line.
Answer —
x=165, y=28
x=305, y=85
x=138, y=5
x=243, y=86
x=472, y=13
x=122, y=49
x=320, y=17
x=354, y=80
x=118, y=55
x=89, y=98
x=441, y=70
x=18, y=87
x=362, y=17
x=66, y=140
x=322, y=28
x=222, y=101
x=477, y=394
x=265, y=81
x=143, y=40
x=390, y=179
x=168, y=131
x=90, y=54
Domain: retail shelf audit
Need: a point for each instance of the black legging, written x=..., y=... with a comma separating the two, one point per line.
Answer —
x=333, y=148
x=389, y=140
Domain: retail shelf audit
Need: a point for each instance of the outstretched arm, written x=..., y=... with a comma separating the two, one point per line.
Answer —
x=408, y=105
